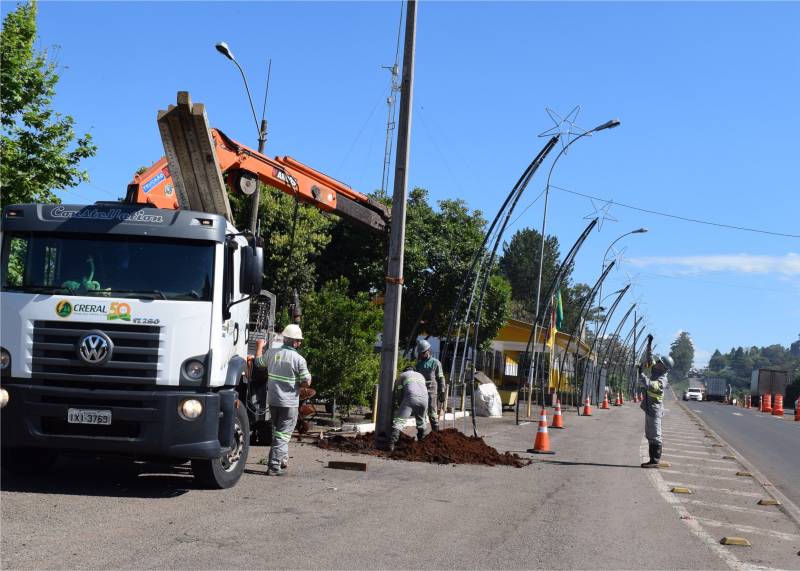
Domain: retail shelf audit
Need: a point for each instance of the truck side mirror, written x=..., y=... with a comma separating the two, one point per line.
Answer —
x=251, y=271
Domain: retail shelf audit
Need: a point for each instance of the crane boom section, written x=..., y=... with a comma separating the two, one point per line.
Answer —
x=187, y=178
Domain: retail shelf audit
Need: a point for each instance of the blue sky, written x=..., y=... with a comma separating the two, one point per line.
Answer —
x=707, y=94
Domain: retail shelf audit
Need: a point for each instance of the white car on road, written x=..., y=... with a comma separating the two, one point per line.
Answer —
x=693, y=394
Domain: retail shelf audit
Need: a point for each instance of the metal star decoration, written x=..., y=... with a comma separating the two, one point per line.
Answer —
x=602, y=213
x=564, y=126
x=619, y=256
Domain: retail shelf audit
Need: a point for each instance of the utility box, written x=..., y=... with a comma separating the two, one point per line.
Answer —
x=772, y=381
x=716, y=389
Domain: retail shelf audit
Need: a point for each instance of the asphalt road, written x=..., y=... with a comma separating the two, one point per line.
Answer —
x=769, y=442
x=589, y=506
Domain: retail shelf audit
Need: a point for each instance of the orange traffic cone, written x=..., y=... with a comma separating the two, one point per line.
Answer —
x=605, y=405
x=587, y=408
x=766, y=403
x=621, y=398
x=558, y=420
x=747, y=403
x=616, y=401
x=777, y=410
x=542, y=443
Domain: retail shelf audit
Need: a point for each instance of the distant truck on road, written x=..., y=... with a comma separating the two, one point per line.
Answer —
x=716, y=389
x=768, y=381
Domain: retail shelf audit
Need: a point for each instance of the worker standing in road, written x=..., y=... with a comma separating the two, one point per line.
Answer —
x=412, y=394
x=653, y=404
x=431, y=369
x=287, y=374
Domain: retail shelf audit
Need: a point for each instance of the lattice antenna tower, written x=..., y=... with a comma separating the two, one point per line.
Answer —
x=391, y=104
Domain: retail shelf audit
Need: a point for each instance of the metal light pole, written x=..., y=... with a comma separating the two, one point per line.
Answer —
x=604, y=325
x=223, y=48
x=641, y=230
x=607, y=125
x=394, y=277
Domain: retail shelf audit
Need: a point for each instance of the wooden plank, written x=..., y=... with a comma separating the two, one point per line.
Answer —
x=172, y=160
x=355, y=466
x=189, y=148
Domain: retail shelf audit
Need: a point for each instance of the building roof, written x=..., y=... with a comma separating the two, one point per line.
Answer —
x=514, y=336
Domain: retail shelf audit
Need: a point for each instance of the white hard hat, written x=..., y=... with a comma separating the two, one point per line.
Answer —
x=292, y=331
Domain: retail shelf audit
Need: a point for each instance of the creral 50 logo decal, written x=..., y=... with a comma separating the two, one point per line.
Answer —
x=119, y=310
x=63, y=308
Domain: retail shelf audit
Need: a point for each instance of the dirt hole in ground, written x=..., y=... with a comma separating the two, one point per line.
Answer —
x=444, y=447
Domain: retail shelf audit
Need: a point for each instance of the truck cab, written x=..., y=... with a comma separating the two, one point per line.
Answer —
x=125, y=331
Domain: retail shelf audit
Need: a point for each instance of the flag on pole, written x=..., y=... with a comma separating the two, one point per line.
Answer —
x=559, y=311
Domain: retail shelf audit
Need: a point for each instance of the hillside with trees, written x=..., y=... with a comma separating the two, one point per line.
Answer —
x=736, y=366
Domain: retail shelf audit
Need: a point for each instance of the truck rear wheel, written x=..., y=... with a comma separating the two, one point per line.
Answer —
x=225, y=471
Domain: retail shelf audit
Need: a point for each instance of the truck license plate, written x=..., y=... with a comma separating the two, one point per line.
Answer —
x=85, y=416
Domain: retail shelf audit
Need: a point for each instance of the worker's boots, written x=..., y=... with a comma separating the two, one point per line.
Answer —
x=395, y=438
x=420, y=434
x=655, y=454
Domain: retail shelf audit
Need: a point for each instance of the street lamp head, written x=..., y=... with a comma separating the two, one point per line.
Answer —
x=607, y=125
x=223, y=48
x=641, y=230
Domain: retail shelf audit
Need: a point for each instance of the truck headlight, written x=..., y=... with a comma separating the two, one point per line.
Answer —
x=190, y=409
x=194, y=369
x=5, y=359
x=4, y=397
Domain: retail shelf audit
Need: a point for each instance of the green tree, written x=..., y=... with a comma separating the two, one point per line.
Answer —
x=288, y=264
x=717, y=361
x=439, y=246
x=682, y=352
x=519, y=264
x=39, y=152
x=340, y=332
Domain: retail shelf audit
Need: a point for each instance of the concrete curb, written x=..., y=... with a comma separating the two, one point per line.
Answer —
x=787, y=506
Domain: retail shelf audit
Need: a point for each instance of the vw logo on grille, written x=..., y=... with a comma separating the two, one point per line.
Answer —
x=95, y=348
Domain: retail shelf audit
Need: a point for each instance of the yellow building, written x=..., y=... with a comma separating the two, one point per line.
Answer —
x=508, y=360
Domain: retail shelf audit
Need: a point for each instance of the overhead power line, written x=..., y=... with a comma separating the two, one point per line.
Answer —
x=677, y=217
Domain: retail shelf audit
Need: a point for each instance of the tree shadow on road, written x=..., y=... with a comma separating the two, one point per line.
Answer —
x=112, y=477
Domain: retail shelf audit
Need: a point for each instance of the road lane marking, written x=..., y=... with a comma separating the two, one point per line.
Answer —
x=693, y=475
x=721, y=490
x=749, y=529
x=699, y=454
x=689, y=465
x=689, y=445
x=698, y=458
x=737, y=414
x=733, y=508
x=712, y=543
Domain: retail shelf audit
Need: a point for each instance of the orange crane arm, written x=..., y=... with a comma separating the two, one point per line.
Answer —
x=245, y=166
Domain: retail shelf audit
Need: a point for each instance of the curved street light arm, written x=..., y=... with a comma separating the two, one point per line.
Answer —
x=587, y=304
x=615, y=335
x=604, y=326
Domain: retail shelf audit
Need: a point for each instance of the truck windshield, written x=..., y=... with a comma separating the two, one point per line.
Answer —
x=118, y=266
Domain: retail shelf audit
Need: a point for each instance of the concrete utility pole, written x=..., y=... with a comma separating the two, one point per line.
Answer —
x=394, y=277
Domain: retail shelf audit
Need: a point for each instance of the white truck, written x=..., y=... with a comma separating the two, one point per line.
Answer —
x=125, y=325
x=125, y=331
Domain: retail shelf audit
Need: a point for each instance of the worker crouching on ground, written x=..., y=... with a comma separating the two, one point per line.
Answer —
x=411, y=392
x=431, y=370
x=287, y=374
x=653, y=404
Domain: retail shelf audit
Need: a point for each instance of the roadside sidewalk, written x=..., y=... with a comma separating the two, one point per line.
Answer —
x=589, y=506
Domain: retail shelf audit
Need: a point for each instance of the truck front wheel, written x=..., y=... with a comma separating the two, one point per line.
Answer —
x=225, y=471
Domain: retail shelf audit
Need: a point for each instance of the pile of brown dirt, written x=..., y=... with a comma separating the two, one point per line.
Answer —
x=444, y=447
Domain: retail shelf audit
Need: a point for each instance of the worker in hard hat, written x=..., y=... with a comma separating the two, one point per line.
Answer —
x=431, y=370
x=287, y=374
x=655, y=383
x=412, y=394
